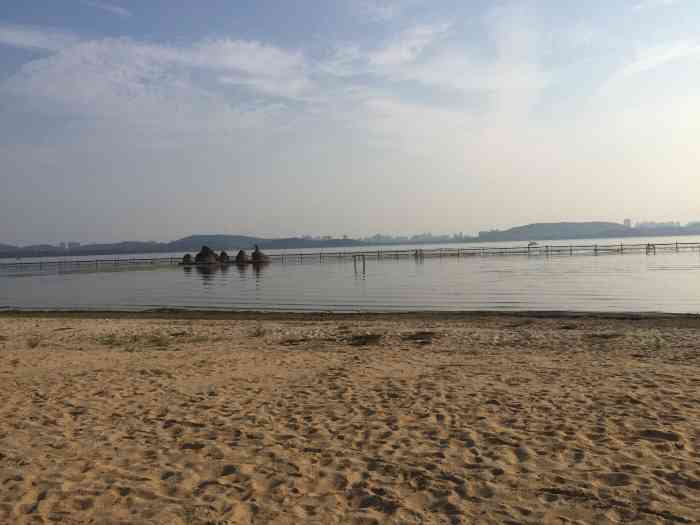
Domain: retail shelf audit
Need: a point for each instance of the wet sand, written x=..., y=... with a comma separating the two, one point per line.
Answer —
x=279, y=418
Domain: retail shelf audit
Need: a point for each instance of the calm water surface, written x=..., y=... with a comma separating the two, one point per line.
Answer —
x=668, y=282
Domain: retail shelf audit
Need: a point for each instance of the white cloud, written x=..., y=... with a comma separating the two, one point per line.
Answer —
x=347, y=60
x=110, y=8
x=28, y=37
x=511, y=77
x=408, y=46
x=259, y=66
x=122, y=78
x=657, y=56
x=648, y=59
x=380, y=11
x=226, y=83
x=652, y=4
x=386, y=11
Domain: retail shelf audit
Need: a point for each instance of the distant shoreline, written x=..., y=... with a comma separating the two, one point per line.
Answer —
x=533, y=232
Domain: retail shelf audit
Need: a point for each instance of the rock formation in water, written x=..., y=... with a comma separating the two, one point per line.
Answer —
x=206, y=256
x=241, y=257
x=223, y=257
x=258, y=256
x=187, y=259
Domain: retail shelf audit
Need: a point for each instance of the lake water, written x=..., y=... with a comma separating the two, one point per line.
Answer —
x=667, y=282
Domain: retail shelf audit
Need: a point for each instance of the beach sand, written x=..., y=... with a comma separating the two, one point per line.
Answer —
x=349, y=419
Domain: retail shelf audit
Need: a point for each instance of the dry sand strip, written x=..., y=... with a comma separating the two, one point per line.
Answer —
x=349, y=419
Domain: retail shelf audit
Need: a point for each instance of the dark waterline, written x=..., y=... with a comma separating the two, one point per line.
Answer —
x=668, y=282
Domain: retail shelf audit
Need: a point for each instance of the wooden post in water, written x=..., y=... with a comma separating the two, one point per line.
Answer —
x=363, y=263
x=571, y=250
x=595, y=249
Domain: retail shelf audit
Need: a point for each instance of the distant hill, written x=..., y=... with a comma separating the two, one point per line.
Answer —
x=556, y=230
x=7, y=248
x=582, y=230
x=215, y=242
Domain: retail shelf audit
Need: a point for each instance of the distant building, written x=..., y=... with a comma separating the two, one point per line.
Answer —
x=62, y=245
x=72, y=245
x=628, y=223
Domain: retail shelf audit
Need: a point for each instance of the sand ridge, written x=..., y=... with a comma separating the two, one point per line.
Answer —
x=496, y=419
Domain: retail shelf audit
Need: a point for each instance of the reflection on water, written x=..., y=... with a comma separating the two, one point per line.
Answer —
x=210, y=271
x=630, y=282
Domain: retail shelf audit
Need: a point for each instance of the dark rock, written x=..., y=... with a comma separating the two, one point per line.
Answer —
x=187, y=259
x=258, y=256
x=206, y=256
x=242, y=257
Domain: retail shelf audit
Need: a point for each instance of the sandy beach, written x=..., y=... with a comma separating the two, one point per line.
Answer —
x=228, y=419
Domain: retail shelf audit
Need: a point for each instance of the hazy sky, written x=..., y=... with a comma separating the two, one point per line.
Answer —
x=157, y=119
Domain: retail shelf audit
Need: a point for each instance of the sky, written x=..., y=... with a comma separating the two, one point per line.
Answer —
x=157, y=119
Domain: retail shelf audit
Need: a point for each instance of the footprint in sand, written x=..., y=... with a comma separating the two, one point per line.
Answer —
x=659, y=435
x=616, y=479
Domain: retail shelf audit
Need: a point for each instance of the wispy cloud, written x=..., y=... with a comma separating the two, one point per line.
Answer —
x=125, y=78
x=384, y=10
x=186, y=89
x=427, y=55
x=110, y=8
x=657, y=56
x=652, y=4
x=648, y=59
x=28, y=37
x=409, y=45
x=380, y=11
x=259, y=66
